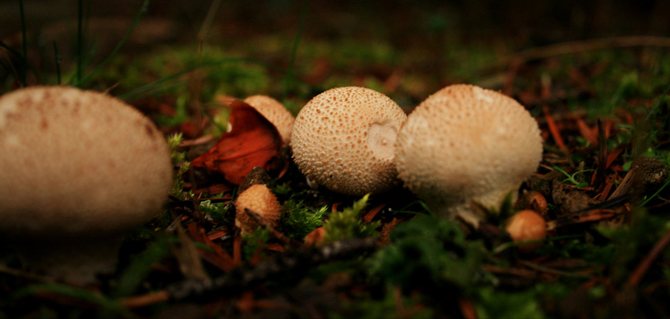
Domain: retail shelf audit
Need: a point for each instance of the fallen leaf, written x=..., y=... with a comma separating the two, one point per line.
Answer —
x=369, y=216
x=254, y=141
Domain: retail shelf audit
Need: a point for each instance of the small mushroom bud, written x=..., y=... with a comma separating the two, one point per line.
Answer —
x=527, y=226
x=344, y=140
x=260, y=200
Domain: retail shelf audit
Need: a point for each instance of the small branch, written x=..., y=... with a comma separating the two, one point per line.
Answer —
x=585, y=46
x=550, y=270
x=602, y=156
x=260, y=220
x=645, y=264
x=296, y=262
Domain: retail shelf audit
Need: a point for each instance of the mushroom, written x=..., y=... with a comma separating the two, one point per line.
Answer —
x=344, y=138
x=260, y=200
x=79, y=169
x=466, y=147
x=527, y=228
x=275, y=112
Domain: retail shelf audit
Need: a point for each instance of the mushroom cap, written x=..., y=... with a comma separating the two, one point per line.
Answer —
x=344, y=139
x=259, y=199
x=77, y=163
x=466, y=144
x=275, y=112
x=527, y=225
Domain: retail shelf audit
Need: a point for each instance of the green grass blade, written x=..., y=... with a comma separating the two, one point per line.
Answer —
x=118, y=47
x=134, y=275
x=287, y=78
x=24, y=72
x=151, y=86
x=103, y=302
x=658, y=104
x=80, y=40
x=58, y=62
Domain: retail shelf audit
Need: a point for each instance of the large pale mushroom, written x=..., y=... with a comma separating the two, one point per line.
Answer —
x=79, y=169
x=465, y=148
x=344, y=138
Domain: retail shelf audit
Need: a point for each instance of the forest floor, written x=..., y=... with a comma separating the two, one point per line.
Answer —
x=598, y=95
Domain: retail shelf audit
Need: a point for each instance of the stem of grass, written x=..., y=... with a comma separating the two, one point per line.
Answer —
x=58, y=61
x=24, y=40
x=80, y=41
x=287, y=78
x=143, y=9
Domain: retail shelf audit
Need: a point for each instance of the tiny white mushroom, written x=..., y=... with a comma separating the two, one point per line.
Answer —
x=344, y=139
x=466, y=145
x=79, y=169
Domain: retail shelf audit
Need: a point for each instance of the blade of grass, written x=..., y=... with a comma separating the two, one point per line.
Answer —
x=287, y=78
x=667, y=182
x=84, y=295
x=80, y=40
x=140, y=266
x=204, y=29
x=24, y=40
x=658, y=104
x=58, y=61
x=153, y=85
x=142, y=10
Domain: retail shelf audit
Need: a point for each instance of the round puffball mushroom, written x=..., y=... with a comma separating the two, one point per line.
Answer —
x=275, y=112
x=527, y=226
x=465, y=147
x=260, y=200
x=344, y=140
x=79, y=169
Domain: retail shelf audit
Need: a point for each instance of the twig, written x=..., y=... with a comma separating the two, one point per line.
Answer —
x=295, y=262
x=25, y=275
x=585, y=46
x=599, y=176
x=625, y=184
x=550, y=270
x=553, y=129
x=275, y=233
x=644, y=265
x=145, y=300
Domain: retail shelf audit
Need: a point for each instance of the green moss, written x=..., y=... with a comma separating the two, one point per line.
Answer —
x=347, y=224
x=366, y=307
x=429, y=250
x=255, y=242
x=299, y=220
x=494, y=304
x=178, y=159
x=218, y=211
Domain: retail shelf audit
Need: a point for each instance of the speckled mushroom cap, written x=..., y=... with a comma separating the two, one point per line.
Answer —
x=466, y=144
x=259, y=199
x=77, y=163
x=343, y=139
x=274, y=112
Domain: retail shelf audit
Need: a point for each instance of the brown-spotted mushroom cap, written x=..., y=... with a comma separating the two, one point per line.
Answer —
x=77, y=164
x=466, y=145
x=343, y=139
x=259, y=199
x=275, y=112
